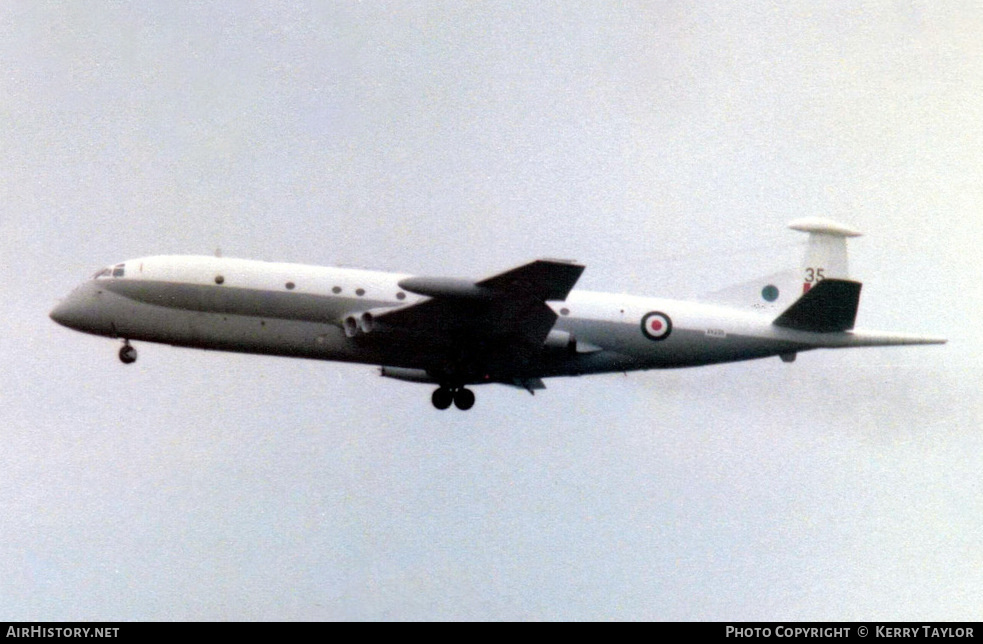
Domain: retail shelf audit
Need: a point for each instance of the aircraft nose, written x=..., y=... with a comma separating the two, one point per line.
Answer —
x=81, y=311
x=68, y=313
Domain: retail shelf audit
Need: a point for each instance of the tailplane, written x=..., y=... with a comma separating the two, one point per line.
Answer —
x=828, y=307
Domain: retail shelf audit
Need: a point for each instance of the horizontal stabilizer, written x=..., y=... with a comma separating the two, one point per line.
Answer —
x=828, y=307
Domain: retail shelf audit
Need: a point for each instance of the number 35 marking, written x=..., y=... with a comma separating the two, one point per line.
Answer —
x=815, y=275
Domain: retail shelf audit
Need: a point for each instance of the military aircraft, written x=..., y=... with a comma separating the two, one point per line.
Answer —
x=514, y=328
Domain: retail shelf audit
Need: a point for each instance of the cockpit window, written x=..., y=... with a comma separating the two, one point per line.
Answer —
x=114, y=271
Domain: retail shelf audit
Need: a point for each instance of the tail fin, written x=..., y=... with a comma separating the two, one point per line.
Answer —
x=829, y=298
x=827, y=256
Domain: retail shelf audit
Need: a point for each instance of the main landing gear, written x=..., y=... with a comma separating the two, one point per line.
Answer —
x=127, y=354
x=462, y=398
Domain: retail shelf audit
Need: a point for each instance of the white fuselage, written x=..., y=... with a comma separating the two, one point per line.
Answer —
x=297, y=310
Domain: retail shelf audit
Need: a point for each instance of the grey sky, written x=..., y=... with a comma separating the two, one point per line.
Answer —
x=664, y=144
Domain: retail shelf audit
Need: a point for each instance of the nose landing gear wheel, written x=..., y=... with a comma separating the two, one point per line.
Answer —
x=442, y=398
x=464, y=399
x=127, y=354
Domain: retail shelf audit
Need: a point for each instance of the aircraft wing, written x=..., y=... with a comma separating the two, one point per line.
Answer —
x=508, y=309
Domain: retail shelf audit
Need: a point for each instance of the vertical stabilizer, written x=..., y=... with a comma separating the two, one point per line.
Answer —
x=827, y=256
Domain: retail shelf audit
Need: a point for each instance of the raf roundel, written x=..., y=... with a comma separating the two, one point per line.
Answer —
x=656, y=325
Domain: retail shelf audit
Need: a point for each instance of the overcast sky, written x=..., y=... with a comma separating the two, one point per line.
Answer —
x=664, y=144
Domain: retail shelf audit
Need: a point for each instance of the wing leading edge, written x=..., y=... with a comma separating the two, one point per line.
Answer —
x=490, y=330
x=510, y=305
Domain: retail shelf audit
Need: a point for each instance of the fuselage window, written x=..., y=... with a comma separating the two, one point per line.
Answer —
x=118, y=270
x=360, y=292
x=336, y=290
x=290, y=286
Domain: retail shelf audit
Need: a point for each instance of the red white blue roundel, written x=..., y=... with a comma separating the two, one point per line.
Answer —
x=656, y=325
